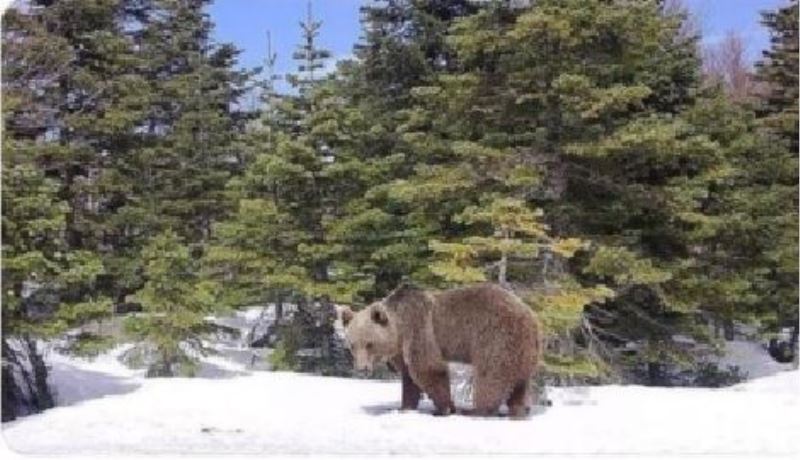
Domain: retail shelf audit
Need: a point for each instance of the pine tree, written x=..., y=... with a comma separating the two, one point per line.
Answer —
x=402, y=46
x=175, y=301
x=774, y=178
x=575, y=107
x=172, y=172
x=93, y=104
x=120, y=88
x=50, y=275
x=516, y=232
x=309, y=56
x=275, y=249
x=96, y=102
x=779, y=71
x=190, y=123
x=743, y=231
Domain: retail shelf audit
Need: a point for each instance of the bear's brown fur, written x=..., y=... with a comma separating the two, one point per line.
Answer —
x=418, y=332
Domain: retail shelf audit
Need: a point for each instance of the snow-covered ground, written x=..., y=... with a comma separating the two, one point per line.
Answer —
x=107, y=408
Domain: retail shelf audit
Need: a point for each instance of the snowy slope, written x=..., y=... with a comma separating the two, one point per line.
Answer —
x=110, y=409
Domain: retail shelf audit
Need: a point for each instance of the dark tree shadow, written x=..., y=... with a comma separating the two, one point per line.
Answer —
x=73, y=385
x=207, y=370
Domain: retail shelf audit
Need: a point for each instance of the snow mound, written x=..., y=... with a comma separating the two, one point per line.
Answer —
x=112, y=410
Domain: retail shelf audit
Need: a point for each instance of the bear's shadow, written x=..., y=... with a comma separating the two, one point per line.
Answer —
x=394, y=408
x=381, y=409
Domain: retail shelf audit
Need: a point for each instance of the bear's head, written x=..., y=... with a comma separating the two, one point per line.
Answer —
x=371, y=335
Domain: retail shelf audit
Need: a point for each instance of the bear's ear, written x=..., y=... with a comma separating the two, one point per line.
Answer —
x=406, y=285
x=347, y=315
x=379, y=317
x=405, y=289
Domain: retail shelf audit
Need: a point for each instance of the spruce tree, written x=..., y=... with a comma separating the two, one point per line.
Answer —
x=402, y=46
x=774, y=176
x=779, y=72
x=515, y=232
x=190, y=127
x=51, y=272
x=570, y=107
x=123, y=121
x=175, y=302
x=310, y=58
x=275, y=248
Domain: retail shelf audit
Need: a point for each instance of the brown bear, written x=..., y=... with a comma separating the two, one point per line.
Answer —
x=418, y=332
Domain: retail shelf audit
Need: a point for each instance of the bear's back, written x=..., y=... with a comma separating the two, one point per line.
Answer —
x=467, y=318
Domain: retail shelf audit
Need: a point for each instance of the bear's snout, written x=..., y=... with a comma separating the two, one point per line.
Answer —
x=367, y=367
x=362, y=362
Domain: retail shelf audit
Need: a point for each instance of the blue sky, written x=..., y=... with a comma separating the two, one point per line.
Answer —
x=717, y=17
x=245, y=23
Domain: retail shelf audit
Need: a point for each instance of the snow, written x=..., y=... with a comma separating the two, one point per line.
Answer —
x=107, y=408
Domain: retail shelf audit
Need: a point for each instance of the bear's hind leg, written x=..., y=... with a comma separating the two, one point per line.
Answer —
x=437, y=386
x=519, y=401
x=489, y=394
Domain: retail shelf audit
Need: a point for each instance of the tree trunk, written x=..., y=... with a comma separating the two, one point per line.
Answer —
x=728, y=329
x=503, y=264
x=24, y=376
x=501, y=276
x=162, y=367
x=278, y=309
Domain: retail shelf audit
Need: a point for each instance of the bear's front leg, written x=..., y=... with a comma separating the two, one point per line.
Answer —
x=411, y=392
x=427, y=368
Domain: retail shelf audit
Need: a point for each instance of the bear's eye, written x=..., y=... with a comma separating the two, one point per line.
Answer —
x=369, y=345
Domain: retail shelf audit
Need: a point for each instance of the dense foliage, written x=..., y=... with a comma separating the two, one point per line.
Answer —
x=569, y=149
